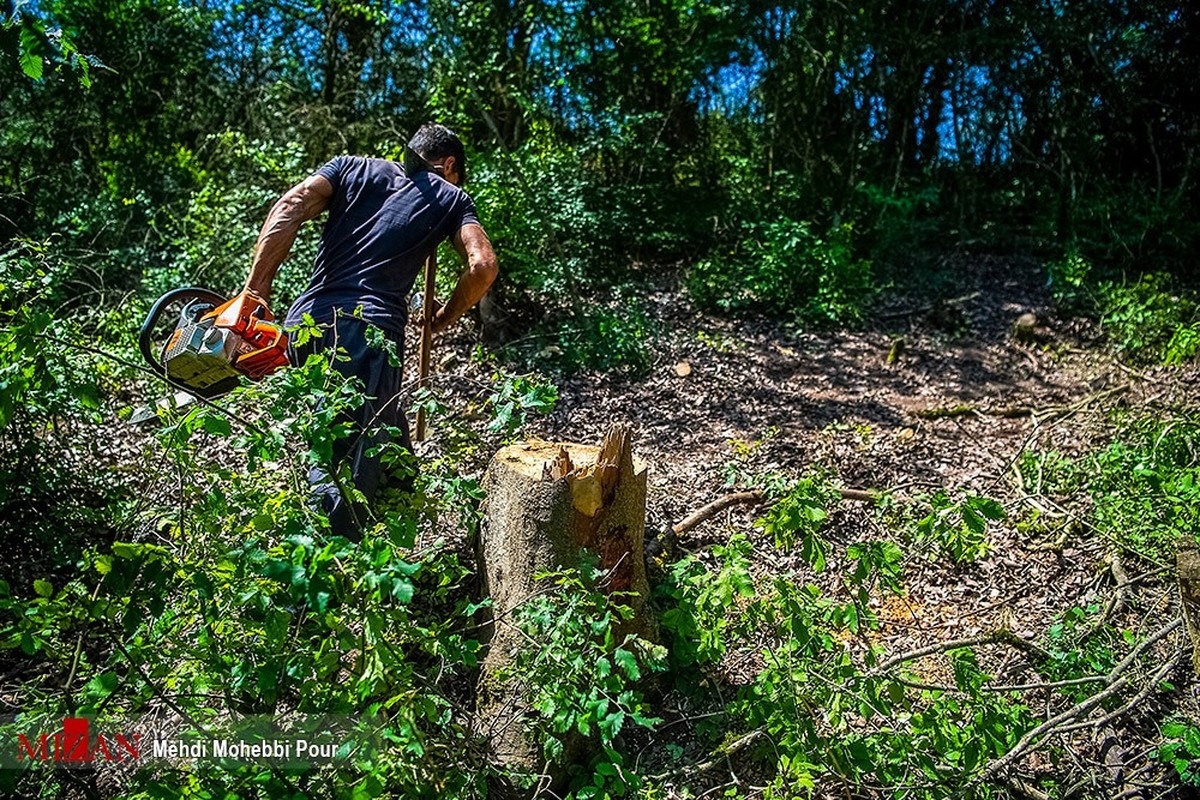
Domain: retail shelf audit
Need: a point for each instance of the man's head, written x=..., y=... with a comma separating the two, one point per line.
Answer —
x=442, y=150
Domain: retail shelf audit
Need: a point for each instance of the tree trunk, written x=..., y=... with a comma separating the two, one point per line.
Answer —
x=1188, y=567
x=547, y=504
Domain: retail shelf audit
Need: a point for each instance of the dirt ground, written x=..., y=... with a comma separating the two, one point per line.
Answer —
x=926, y=396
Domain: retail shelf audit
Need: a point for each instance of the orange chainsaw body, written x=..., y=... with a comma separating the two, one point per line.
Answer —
x=212, y=346
x=263, y=345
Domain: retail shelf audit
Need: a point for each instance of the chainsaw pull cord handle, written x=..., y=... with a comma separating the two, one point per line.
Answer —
x=246, y=361
x=155, y=314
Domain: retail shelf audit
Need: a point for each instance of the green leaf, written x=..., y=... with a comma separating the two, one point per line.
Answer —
x=43, y=588
x=402, y=591
x=133, y=551
x=31, y=63
x=216, y=425
x=626, y=661
x=102, y=685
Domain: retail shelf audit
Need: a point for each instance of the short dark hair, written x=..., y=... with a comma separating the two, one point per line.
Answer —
x=433, y=141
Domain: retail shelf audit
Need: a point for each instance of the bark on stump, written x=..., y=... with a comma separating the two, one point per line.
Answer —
x=547, y=503
x=1188, y=569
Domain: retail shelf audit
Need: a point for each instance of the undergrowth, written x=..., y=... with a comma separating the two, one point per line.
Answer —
x=209, y=585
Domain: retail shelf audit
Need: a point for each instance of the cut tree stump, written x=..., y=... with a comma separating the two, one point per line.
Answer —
x=546, y=504
x=1188, y=567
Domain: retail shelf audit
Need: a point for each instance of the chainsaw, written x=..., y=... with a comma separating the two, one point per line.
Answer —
x=215, y=341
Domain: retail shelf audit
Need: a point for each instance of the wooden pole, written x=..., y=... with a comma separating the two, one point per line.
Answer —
x=426, y=347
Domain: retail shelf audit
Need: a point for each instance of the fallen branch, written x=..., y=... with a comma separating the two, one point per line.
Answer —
x=1013, y=412
x=1154, y=681
x=994, y=637
x=755, y=497
x=723, y=753
x=1013, y=687
x=1116, y=680
x=1116, y=602
x=705, y=513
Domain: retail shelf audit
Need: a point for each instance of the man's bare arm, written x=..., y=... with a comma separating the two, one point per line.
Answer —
x=475, y=249
x=299, y=204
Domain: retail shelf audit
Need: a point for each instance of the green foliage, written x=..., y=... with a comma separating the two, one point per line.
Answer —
x=1182, y=750
x=38, y=43
x=611, y=339
x=615, y=339
x=1079, y=647
x=1067, y=278
x=905, y=224
x=581, y=669
x=251, y=601
x=51, y=397
x=1144, y=319
x=956, y=527
x=1148, y=320
x=1049, y=472
x=782, y=268
x=506, y=402
x=211, y=242
x=1183, y=345
x=1141, y=491
x=607, y=144
x=799, y=517
x=700, y=603
x=515, y=397
x=1146, y=486
x=830, y=718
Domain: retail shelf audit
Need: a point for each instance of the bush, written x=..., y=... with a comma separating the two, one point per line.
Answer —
x=1143, y=319
x=211, y=243
x=784, y=269
x=222, y=590
x=1148, y=320
x=55, y=499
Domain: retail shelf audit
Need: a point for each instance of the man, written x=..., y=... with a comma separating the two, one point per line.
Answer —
x=384, y=221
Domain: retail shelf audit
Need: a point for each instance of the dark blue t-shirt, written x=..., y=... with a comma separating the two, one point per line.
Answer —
x=382, y=226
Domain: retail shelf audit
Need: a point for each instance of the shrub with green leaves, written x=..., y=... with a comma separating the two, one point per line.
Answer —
x=700, y=603
x=1182, y=750
x=222, y=589
x=581, y=673
x=211, y=242
x=597, y=338
x=1146, y=486
x=1080, y=646
x=784, y=268
x=1148, y=320
x=243, y=595
x=54, y=501
x=799, y=515
x=1143, y=318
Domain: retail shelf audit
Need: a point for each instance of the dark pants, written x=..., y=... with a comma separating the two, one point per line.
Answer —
x=382, y=409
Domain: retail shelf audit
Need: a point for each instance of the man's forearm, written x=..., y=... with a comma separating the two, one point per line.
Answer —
x=275, y=241
x=472, y=286
x=302, y=202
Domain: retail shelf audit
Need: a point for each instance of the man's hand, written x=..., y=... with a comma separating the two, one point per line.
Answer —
x=416, y=317
x=299, y=204
x=475, y=249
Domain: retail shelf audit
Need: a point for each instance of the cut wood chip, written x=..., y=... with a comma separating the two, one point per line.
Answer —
x=683, y=369
x=587, y=493
x=561, y=466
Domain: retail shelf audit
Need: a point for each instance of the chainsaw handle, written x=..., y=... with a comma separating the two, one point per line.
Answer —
x=156, y=311
x=250, y=362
